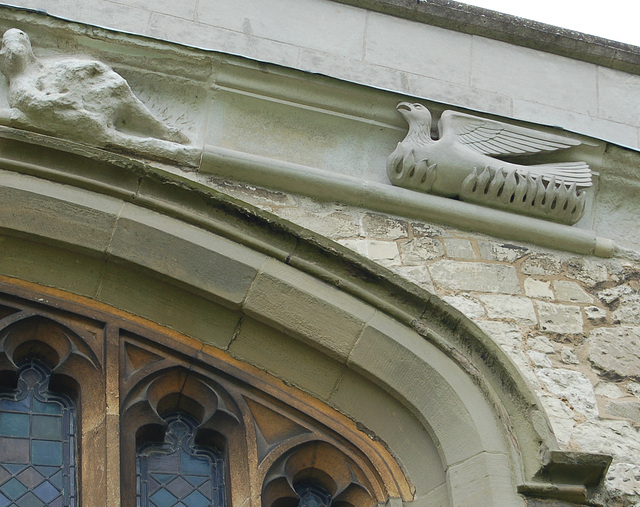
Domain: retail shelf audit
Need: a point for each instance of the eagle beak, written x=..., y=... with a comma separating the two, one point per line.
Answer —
x=404, y=106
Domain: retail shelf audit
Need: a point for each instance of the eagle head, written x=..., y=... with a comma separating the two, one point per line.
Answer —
x=419, y=119
x=415, y=114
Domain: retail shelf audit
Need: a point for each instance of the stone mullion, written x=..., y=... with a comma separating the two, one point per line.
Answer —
x=112, y=442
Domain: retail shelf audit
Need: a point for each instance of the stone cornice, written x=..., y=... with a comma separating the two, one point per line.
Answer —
x=511, y=29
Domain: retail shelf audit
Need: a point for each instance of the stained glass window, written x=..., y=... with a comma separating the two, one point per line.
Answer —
x=37, y=443
x=178, y=472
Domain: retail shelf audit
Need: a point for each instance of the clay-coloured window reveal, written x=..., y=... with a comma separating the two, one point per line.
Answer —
x=37, y=442
x=161, y=422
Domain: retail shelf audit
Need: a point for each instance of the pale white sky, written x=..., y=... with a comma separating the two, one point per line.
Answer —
x=612, y=19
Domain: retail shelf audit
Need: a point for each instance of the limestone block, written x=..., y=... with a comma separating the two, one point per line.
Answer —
x=170, y=306
x=618, y=438
x=416, y=274
x=555, y=318
x=628, y=311
x=357, y=245
x=310, y=310
x=626, y=409
x=541, y=344
x=389, y=42
x=623, y=479
x=572, y=385
x=46, y=264
x=201, y=35
x=616, y=350
x=416, y=251
x=571, y=292
x=503, y=252
x=613, y=294
x=538, y=289
x=421, y=230
x=541, y=264
x=475, y=276
x=568, y=356
x=378, y=226
x=462, y=95
x=285, y=357
x=184, y=9
x=614, y=87
x=540, y=77
x=402, y=431
x=519, y=309
x=587, y=271
x=381, y=250
x=608, y=390
x=473, y=482
x=332, y=28
x=539, y=359
x=334, y=225
x=509, y=337
x=467, y=305
x=595, y=315
x=127, y=18
x=459, y=248
x=561, y=418
x=616, y=132
x=634, y=388
x=222, y=268
x=58, y=212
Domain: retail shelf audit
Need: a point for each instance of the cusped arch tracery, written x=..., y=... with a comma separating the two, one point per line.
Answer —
x=266, y=441
x=74, y=364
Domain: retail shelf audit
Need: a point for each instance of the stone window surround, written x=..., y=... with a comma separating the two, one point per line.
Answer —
x=158, y=374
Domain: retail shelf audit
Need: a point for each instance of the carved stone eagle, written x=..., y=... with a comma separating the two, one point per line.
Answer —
x=465, y=162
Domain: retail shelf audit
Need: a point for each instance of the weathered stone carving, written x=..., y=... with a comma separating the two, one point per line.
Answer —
x=82, y=100
x=463, y=163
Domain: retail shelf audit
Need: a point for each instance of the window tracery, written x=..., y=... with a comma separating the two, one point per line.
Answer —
x=37, y=442
x=178, y=471
x=164, y=400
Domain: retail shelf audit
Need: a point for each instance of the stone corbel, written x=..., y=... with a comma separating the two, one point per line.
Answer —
x=569, y=477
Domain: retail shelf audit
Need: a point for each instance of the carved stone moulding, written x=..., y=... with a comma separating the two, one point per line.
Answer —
x=472, y=160
x=84, y=100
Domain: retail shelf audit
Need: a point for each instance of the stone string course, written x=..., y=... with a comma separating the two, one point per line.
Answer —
x=570, y=323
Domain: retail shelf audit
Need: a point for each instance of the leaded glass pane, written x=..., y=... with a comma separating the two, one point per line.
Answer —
x=178, y=472
x=37, y=443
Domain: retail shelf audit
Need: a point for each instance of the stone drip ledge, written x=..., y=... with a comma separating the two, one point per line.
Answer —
x=329, y=186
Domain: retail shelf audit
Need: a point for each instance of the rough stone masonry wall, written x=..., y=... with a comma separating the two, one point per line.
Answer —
x=570, y=323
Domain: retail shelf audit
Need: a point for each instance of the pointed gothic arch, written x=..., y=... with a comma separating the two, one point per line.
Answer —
x=232, y=287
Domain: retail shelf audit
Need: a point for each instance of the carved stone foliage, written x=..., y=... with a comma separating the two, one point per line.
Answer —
x=83, y=100
x=266, y=443
x=466, y=162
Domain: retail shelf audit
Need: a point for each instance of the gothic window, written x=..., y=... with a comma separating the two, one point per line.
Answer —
x=157, y=421
x=179, y=472
x=37, y=443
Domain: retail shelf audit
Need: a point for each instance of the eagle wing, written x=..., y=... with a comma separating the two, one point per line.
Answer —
x=495, y=138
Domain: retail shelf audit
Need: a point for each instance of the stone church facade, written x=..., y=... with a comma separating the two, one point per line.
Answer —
x=204, y=256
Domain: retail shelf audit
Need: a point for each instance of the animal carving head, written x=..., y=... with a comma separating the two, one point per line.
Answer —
x=16, y=53
x=417, y=115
